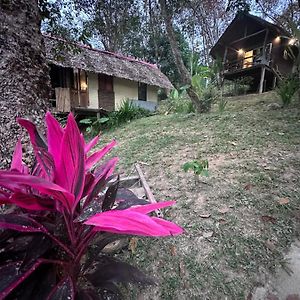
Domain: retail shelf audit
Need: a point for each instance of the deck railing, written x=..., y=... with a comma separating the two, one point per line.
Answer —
x=244, y=63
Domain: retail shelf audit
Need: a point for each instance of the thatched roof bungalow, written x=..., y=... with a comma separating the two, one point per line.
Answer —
x=88, y=79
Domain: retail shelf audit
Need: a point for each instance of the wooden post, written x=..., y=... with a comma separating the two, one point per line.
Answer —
x=147, y=189
x=262, y=79
x=224, y=58
x=265, y=45
x=274, y=82
x=223, y=67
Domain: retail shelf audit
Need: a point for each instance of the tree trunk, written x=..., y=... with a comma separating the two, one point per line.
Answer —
x=24, y=76
x=182, y=70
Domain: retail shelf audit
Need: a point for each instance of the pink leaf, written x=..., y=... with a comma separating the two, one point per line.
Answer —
x=71, y=172
x=16, y=163
x=91, y=144
x=31, y=202
x=54, y=135
x=95, y=157
x=16, y=182
x=35, y=137
x=147, y=208
x=43, y=157
x=172, y=227
x=20, y=223
x=45, y=162
x=130, y=222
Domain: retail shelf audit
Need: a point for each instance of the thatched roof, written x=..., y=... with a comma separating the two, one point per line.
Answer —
x=236, y=29
x=66, y=54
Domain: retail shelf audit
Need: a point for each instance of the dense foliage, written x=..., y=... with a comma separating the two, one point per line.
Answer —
x=287, y=88
x=57, y=208
x=126, y=113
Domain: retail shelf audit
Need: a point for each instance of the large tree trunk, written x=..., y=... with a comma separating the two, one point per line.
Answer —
x=184, y=73
x=24, y=76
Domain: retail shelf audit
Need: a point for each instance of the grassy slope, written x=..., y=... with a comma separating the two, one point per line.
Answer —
x=254, y=158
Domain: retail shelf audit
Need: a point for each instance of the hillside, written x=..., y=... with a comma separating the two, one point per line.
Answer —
x=241, y=219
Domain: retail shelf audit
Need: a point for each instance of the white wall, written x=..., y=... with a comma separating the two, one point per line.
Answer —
x=124, y=88
x=93, y=90
x=152, y=93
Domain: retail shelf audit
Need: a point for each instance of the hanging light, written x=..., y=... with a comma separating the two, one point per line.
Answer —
x=277, y=39
x=292, y=41
x=83, y=86
x=241, y=52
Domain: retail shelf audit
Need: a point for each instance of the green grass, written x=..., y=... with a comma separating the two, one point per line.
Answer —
x=246, y=145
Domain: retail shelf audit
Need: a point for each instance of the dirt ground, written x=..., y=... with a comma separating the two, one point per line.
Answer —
x=241, y=220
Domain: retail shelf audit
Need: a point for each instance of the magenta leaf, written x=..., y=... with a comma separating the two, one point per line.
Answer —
x=126, y=198
x=46, y=163
x=12, y=275
x=145, y=209
x=88, y=184
x=96, y=156
x=71, y=170
x=35, y=137
x=63, y=290
x=110, y=195
x=4, y=197
x=16, y=182
x=16, y=163
x=91, y=144
x=170, y=226
x=37, y=247
x=20, y=223
x=43, y=158
x=129, y=222
x=101, y=176
x=54, y=135
x=31, y=202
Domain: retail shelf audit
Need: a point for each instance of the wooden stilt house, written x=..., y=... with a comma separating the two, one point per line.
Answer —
x=253, y=47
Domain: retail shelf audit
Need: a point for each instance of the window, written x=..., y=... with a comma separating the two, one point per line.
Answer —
x=142, y=91
x=105, y=83
x=248, y=59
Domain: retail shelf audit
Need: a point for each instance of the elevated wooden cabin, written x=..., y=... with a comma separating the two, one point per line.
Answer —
x=87, y=80
x=253, y=47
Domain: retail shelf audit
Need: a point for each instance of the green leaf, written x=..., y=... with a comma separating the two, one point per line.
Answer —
x=103, y=120
x=86, y=121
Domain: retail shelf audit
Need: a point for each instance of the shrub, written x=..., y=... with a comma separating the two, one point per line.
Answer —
x=94, y=125
x=57, y=209
x=126, y=113
x=177, y=102
x=287, y=88
x=198, y=167
x=208, y=94
x=222, y=103
x=242, y=85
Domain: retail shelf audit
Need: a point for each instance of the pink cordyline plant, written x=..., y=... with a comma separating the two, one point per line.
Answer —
x=66, y=200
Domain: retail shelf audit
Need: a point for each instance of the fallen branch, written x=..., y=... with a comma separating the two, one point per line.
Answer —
x=147, y=189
